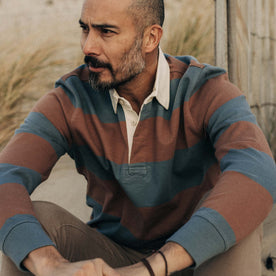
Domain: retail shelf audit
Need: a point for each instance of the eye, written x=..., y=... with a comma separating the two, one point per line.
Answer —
x=107, y=32
x=84, y=28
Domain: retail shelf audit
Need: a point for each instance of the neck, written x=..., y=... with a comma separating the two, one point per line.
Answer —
x=137, y=90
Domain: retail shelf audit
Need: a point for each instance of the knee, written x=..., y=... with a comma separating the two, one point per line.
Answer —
x=49, y=214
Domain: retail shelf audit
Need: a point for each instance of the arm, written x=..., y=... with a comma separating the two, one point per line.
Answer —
x=245, y=186
x=244, y=190
x=177, y=259
x=48, y=261
x=24, y=164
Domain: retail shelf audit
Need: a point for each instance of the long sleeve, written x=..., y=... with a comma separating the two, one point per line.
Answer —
x=244, y=192
x=25, y=162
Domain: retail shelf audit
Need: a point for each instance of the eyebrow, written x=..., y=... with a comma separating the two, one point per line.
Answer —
x=100, y=26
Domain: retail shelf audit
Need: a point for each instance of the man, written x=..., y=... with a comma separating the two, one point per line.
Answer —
x=179, y=174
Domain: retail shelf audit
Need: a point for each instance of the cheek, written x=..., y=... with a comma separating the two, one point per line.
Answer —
x=112, y=56
x=82, y=41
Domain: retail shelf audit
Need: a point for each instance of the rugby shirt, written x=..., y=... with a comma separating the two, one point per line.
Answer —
x=207, y=139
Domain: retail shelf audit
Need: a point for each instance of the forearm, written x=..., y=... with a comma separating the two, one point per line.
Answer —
x=177, y=259
x=43, y=259
x=46, y=259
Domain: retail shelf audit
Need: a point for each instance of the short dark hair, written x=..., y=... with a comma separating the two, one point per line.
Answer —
x=147, y=13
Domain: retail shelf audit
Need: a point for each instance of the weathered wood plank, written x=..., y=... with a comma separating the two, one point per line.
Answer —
x=251, y=53
x=221, y=38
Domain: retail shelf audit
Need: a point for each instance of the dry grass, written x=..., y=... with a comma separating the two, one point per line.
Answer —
x=39, y=45
x=20, y=66
x=191, y=31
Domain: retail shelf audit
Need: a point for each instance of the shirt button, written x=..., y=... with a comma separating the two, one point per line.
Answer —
x=133, y=123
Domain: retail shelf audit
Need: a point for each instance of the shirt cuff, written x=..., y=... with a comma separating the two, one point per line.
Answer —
x=205, y=235
x=22, y=238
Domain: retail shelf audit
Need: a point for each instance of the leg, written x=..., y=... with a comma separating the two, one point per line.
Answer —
x=244, y=259
x=75, y=240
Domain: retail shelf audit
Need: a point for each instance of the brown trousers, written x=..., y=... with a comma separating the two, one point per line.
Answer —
x=76, y=241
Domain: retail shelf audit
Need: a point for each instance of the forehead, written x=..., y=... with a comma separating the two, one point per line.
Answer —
x=114, y=12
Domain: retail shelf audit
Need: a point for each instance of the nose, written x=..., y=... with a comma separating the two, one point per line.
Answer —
x=90, y=44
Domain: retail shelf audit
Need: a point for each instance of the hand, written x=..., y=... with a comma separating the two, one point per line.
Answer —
x=47, y=261
x=96, y=267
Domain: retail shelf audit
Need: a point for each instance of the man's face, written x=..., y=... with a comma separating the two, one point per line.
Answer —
x=110, y=42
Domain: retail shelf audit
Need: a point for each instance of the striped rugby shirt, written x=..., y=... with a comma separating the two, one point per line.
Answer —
x=206, y=139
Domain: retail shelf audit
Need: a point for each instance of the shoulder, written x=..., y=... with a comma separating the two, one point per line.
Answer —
x=81, y=72
x=189, y=66
x=194, y=78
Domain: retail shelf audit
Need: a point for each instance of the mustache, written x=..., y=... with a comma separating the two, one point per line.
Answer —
x=94, y=62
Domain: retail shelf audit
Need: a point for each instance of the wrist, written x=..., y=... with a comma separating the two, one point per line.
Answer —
x=175, y=258
x=43, y=260
x=157, y=265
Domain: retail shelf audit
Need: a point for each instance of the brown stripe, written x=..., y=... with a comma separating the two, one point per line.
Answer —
x=104, y=139
x=241, y=201
x=55, y=106
x=30, y=151
x=108, y=140
x=81, y=73
x=242, y=135
x=14, y=200
x=156, y=139
x=213, y=94
x=196, y=64
x=177, y=68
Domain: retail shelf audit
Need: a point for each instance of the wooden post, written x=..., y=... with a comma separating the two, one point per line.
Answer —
x=246, y=46
x=221, y=37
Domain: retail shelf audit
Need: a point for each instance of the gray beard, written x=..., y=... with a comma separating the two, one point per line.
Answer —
x=131, y=65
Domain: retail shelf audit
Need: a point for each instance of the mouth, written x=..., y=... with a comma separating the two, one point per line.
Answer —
x=96, y=69
x=95, y=65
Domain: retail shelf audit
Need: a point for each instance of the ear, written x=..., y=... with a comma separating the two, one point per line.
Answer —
x=152, y=37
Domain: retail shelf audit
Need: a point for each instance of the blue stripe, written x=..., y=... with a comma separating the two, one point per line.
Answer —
x=255, y=164
x=37, y=124
x=15, y=236
x=195, y=77
x=152, y=184
x=85, y=157
x=179, y=93
x=233, y=111
x=205, y=235
x=21, y=175
x=88, y=100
